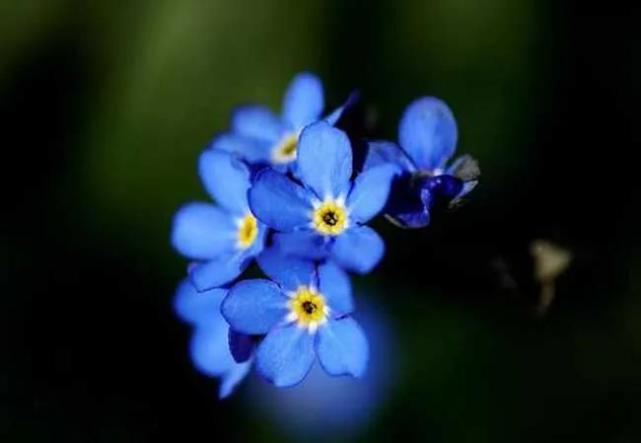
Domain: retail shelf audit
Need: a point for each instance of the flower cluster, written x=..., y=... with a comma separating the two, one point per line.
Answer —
x=289, y=198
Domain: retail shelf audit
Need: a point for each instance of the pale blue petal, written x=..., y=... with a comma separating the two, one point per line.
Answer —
x=218, y=272
x=325, y=160
x=254, y=306
x=342, y=348
x=380, y=152
x=288, y=271
x=369, y=194
x=286, y=355
x=358, y=249
x=333, y=118
x=232, y=378
x=256, y=121
x=304, y=243
x=335, y=286
x=226, y=178
x=428, y=133
x=210, y=350
x=304, y=101
x=279, y=202
x=202, y=231
x=198, y=307
x=247, y=148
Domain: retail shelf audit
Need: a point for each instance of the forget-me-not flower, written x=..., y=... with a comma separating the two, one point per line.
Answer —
x=324, y=215
x=260, y=136
x=303, y=311
x=221, y=239
x=427, y=138
x=209, y=347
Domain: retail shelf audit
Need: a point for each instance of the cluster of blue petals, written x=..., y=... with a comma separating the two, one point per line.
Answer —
x=289, y=198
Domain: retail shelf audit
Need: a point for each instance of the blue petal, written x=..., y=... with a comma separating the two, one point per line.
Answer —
x=203, y=231
x=218, y=272
x=334, y=284
x=289, y=272
x=304, y=243
x=370, y=192
x=325, y=160
x=380, y=152
x=359, y=249
x=231, y=379
x=304, y=101
x=342, y=348
x=241, y=346
x=250, y=149
x=405, y=206
x=286, y=355
x=341, y=110
x=198, y=307
x=254, y=306
x=258, y=122
x=428, y=133
x=210, y=350
x=279, y=202
x=226, y=179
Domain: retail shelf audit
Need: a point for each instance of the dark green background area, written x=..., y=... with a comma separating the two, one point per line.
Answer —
x=105, y=106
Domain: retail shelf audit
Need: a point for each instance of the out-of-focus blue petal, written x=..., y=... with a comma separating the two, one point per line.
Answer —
x=210, y=350
x=198, y=307
x=370, y=192
x=341, y=110
x=231, y=379
x=325, y=160
x=279, y=202
x=250, y=149
x=256, y=121
x=380, y=152
x=342, y=347
x=428, y=133
x=241, y=346
x=254, y=306
x=304, y=101
x=226, y=178
x=288, y=271
x=202, y=231
x=218, y=272
x=358, y=249
x=334, y=284
x=304, y=243
x=336, y=408
x=286, y=355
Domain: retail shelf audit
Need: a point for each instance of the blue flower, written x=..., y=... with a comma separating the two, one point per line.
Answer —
x=259, y=136
x=303, y=311
x=325, y=215
x=427, y=137
x=221, y=239
x=209, y=347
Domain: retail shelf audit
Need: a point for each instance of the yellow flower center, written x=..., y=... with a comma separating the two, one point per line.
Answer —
x=308, y=308
x=285, y=150
x=330, y=217
x=247, y=231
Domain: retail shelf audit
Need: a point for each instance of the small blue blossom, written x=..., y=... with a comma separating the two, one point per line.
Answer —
x=322, y=213
x=259, y=136
x=223, y=239
x=427, y=137
x=303, y=311
x=209, y=346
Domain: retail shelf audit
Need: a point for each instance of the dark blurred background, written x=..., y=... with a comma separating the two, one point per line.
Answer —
x=104, y=107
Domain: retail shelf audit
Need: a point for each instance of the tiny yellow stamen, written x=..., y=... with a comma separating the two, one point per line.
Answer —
x=285, y=151
x=330, y=217
x=308, y=308
x=247, y=231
